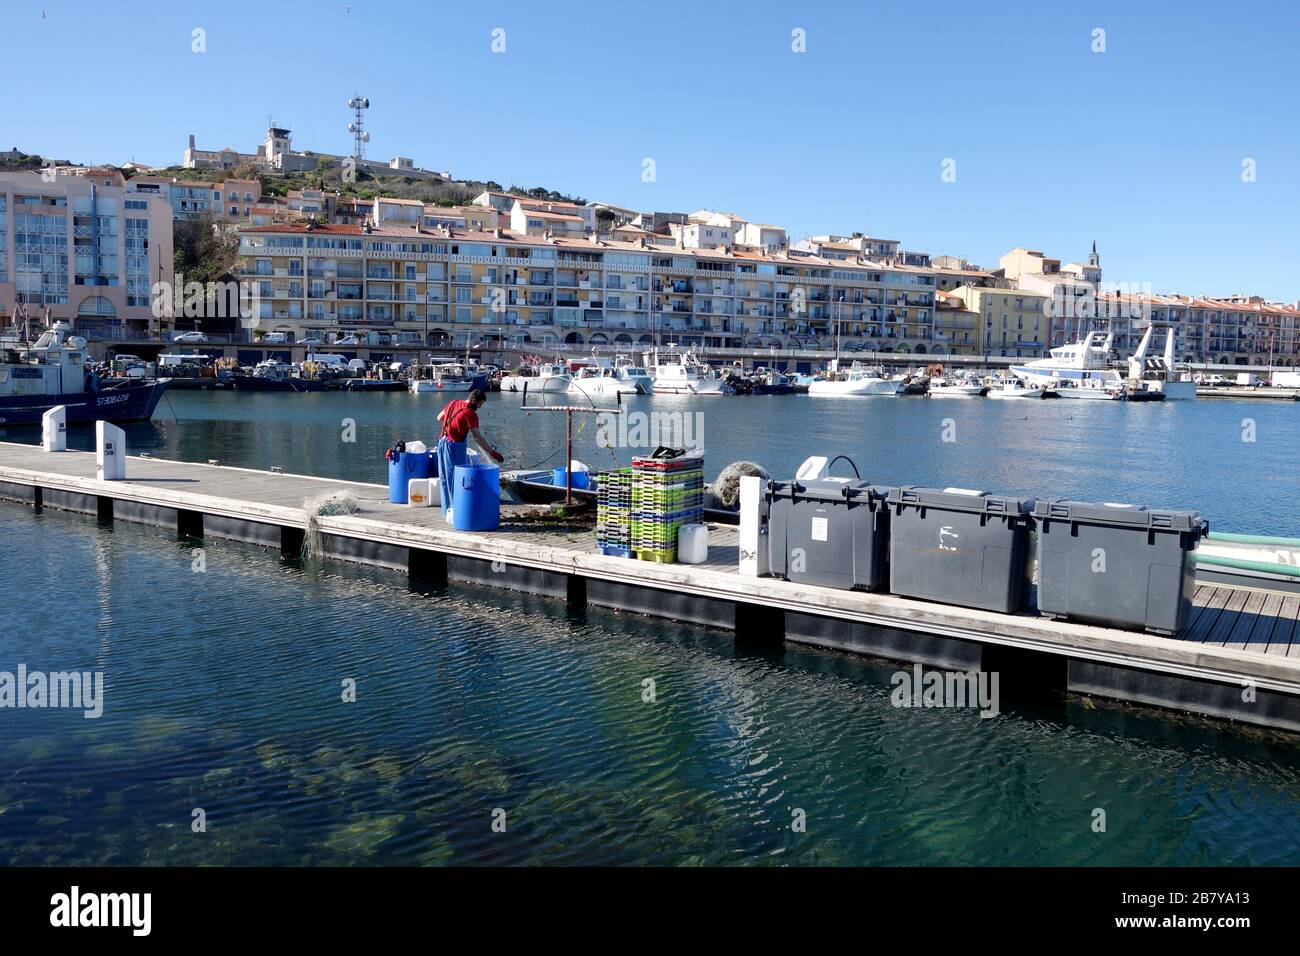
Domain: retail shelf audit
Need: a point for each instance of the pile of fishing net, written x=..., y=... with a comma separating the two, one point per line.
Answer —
x=327, y=505
x=726, y=487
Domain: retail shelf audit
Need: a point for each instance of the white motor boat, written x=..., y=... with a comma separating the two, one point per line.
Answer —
x=681, y=373
x=957, y=388
x=542, y=378
x=859, y=380
x=442, y=377
x=602, y=377
x=1017, y=389
x=1089, y=390
x=1085, y=361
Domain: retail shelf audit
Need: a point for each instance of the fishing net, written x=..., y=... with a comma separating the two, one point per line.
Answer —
x=727, y=486
x=324, y=506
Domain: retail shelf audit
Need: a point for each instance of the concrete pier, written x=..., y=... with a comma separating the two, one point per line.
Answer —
x=1238, y=658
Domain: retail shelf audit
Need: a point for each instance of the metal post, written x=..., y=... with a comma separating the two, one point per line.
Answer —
x=568, y=461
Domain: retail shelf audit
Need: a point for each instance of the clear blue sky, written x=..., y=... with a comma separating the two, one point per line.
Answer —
x=1140, y=147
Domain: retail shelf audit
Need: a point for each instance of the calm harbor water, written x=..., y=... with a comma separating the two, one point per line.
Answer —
x=222, y=688
x=1235, y=461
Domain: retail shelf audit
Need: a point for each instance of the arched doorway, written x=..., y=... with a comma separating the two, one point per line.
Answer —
x=94, y=315
x=599, y=339
x=919, y=350
x=646, y=340
x=573, y=338
x=623, y=339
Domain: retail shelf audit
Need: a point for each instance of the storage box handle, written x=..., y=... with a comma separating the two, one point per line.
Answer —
x=1055, y=510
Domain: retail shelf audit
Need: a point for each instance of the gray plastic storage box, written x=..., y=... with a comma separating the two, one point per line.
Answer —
x=1117, y=564
x=960, y=547
x=831, y=532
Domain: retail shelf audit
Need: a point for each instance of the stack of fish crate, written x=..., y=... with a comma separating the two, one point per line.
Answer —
x=614, y=513
x=667, y=493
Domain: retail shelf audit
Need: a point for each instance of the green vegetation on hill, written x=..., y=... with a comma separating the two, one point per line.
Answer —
x=330, y=178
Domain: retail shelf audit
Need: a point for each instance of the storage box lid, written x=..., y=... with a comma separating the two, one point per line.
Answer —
x=959, y=499
x=1119, y=515
x=829, y=489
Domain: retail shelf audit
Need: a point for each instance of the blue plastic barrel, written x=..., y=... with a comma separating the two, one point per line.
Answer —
x=406, y=466
x=581, y=479
x=476, y=498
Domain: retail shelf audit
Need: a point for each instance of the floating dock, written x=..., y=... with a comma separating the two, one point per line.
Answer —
x=1238, y=658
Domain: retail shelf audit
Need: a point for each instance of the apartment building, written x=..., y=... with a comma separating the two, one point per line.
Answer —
x=956, y=326
x=848, y=247
x=535, y=218
x=231, y=201
x=452, y=286
x=1012, y=322
x=476, y=218
x=82, y=249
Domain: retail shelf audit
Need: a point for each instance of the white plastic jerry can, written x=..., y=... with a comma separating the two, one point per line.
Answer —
x=693, y=544
x=421, y=492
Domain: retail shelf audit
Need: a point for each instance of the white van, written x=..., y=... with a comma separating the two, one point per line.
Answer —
x=331, y=359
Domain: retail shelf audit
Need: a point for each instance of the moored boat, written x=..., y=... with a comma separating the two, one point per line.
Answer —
x=681, y=373
x=858, y=381
x=53, y=371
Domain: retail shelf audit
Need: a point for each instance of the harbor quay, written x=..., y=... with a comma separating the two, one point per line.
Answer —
x=1237, y=658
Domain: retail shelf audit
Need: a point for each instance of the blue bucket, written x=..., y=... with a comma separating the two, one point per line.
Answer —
x=581, y=479
x=406, y=466
x=476, y=498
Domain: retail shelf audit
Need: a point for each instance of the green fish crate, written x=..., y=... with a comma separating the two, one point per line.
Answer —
x=658, y=555
x=667, y=499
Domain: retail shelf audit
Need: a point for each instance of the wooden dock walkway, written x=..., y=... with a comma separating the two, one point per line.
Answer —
x=1238, y=658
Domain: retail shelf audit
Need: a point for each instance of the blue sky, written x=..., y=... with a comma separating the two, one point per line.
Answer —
x=1140, y=147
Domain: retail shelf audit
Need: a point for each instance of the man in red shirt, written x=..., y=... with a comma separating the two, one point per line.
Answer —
x=459, y=420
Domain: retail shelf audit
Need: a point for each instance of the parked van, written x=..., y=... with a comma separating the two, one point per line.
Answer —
x=331, y=359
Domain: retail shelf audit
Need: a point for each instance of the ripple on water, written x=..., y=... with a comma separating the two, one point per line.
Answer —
x=224, y=692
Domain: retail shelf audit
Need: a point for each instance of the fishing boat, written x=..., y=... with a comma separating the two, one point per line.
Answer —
x=773, y=383
x=1173, y=380
x=444, y=377
x=373, y=385
x=538, y=378
x=681, y=373
x=1017, y=389
x=54, y=371
x=859, y=380
x=1089, y=390
x=1085, y=360
x=273, y=376
x=957, y=388
x=602, y=377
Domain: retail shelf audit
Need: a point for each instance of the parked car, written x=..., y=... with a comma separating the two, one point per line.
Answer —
x=312, y=340
x=189, y=338
x=275, y=338
x=349, y=340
